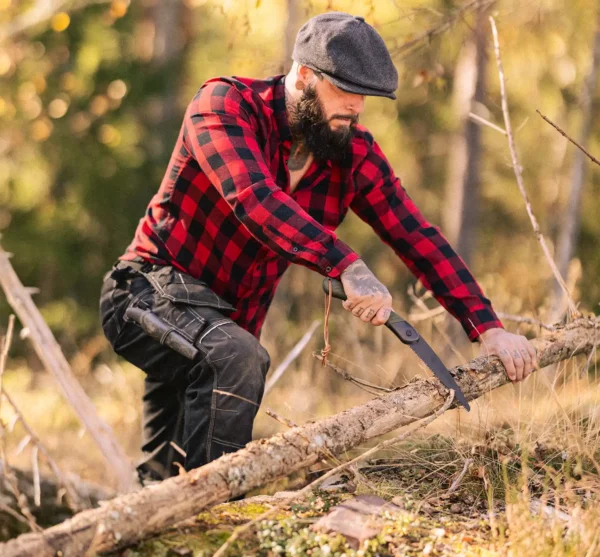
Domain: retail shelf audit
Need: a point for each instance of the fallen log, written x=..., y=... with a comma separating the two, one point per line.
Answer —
x=129, y=518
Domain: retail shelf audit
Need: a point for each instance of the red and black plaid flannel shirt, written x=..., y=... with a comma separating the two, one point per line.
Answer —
x=225, y=214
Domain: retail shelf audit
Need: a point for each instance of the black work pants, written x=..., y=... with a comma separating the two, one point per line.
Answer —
x=203, y=407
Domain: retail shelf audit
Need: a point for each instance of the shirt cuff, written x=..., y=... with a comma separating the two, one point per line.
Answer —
x=337, y=259
x=480, y=321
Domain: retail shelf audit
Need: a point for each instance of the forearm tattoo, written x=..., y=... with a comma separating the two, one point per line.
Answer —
x=362, y=280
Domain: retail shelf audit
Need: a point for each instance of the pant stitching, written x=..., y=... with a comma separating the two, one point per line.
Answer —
x=225, y=358
x=228, y=443
x=213, y=405
x=186, y=289
x=227, y=410
x=213, y=327
x=195, y=313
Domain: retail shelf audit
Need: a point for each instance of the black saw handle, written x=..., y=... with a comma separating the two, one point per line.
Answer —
x=401, y=328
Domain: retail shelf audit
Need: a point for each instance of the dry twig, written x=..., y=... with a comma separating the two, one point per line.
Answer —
x=480, y=120
x=73, y=499
x=293, y=354
x=528, y=320
x=426, y=36
x=363, y=384
x=564, y=134
x=6, y=342
x=460, y=477
x=519, y=173
x=12, y=480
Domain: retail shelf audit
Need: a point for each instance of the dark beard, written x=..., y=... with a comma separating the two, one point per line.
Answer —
x=309, y=125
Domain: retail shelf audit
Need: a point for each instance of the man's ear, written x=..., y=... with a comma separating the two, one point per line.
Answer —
x=305, y=74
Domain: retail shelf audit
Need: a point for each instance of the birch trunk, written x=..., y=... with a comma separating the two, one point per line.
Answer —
x=571, y=223
x=129, y=518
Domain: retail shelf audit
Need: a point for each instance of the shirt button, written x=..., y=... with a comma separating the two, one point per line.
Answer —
x=328, y=269
x=294, y=249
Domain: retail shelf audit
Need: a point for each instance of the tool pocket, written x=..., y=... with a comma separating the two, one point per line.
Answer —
x=178, y=311
x=182, y=288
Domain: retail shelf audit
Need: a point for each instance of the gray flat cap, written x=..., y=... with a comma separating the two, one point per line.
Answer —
x=348, y=52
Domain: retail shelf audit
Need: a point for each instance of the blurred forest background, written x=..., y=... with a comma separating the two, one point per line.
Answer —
x=92, y=97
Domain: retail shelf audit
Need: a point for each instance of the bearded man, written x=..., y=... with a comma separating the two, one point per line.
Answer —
x=263, y=172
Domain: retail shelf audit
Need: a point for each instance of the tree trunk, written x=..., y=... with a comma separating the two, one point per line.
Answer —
x=569, y=232
x=462, y=185
x=291, y=29
x=129, y=518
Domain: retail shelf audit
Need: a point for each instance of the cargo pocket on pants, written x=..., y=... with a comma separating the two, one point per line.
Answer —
x=182, y=308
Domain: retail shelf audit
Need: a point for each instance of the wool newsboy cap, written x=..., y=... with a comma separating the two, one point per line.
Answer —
x=348, y=52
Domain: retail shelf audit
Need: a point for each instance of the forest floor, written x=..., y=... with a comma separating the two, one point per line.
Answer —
x=530, y=457
x=508, y=502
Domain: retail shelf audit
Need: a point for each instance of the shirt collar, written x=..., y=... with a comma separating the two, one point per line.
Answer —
x=280, y=111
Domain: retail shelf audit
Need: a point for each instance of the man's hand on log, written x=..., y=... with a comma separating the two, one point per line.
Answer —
x=368, y=299
x=517, y=354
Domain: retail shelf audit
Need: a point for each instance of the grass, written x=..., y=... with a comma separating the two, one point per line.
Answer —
x=531, y=488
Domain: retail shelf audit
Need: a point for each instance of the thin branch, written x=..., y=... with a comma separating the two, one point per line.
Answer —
x=73, y=500
x=178, y=448
x=282, y=420
x=564, y=134
x=35, y=472
x=460, y=477
x=480, y=120
x=428, y=34
x=19, y=497
x=519, y=172
x=426, y=315
x=7, y=341
x=371, y=388
x=293, y=354
x=6, y=509
x=304, y=491
x=528, y=320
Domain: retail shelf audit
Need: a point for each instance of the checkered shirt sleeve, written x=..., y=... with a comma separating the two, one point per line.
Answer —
x=382, y=202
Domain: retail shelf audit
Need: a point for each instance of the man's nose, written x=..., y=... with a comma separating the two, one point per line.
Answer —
x=356, y=104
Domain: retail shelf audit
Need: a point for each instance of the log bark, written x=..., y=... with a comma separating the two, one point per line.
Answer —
x=129, y=518
x=50, y=353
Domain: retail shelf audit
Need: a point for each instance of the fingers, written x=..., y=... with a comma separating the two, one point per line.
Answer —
x=518, y=363
x=517, y=354
x=375, y=308
x=382, y=316
x=509, y=365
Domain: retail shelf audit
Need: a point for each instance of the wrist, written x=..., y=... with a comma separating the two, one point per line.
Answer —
x=359, y=263
x=488, y=333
